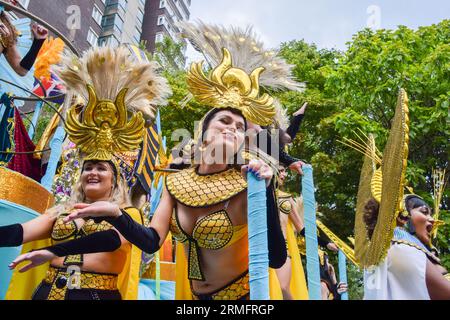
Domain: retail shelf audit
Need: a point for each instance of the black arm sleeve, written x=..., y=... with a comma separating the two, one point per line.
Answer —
x=146, y=239
x=11, y=236
x=276, y=241
x=104, y=241
x=29, y=59
x=322, y=242
x=286, y=159
x=294, y=126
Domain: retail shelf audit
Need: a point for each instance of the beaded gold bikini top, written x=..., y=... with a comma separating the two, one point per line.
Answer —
x=284, y=201
x=63, y=232
x=214, y=231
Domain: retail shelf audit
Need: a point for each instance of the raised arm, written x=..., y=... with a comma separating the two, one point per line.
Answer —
x=22, y=65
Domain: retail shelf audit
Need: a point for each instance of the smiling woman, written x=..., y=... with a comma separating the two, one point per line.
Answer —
x=88, y=253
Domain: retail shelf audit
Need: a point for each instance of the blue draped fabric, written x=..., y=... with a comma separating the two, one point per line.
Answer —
x=312, y=255
x=257, y=239
x=343, y=272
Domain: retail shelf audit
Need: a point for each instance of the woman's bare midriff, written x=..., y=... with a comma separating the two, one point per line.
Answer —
x=220, y=267
x=104, y=262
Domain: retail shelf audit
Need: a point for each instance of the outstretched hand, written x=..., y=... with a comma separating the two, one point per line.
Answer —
x=36, y=259
x=297, y=167
x=301, y=110
x=94, y=210
x=261, y=170
x=333, y=247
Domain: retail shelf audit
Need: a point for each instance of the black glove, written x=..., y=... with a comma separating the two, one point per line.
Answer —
x=11, y=236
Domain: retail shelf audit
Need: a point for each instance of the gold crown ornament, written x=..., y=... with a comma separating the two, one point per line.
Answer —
x=105, y=128
x=230, y=87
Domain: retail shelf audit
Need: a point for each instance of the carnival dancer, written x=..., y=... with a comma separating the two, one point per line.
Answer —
x=204, y=207
x=89, y=260
x=8, y=39
x=391, y=229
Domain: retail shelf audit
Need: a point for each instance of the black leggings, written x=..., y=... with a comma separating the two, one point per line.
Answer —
x=44, y=288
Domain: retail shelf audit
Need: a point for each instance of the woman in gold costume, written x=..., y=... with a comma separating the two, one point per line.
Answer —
x=205, y=206
x=89, y=260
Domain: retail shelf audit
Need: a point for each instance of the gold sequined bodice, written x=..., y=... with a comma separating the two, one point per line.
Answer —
x=63, y=232
x=194, y=190
x=284, y=201
x=214, y=231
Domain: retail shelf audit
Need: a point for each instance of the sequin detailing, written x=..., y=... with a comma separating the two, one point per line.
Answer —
x=238, y=289
x=194, y=190
x=60, y=278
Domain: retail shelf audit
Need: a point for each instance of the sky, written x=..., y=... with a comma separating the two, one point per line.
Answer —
x=327, y=23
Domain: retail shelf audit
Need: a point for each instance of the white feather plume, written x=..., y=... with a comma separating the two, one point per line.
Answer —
x=247, y=50
x=109, y=70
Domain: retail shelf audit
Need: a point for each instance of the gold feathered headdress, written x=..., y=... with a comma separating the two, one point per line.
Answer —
x=240, y=66
x=228, y=86
x=109, y=70
x=385, y=183
x=118, y=92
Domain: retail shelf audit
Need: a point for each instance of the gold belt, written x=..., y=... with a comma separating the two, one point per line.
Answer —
x=236, y=290
x=61, y=281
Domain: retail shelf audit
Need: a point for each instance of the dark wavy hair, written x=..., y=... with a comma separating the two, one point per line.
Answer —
x=370, y=216
x=413, y=202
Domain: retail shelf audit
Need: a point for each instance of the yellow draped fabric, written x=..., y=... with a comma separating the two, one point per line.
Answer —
x=22, y=285
x=298, y=283
x=298, y=286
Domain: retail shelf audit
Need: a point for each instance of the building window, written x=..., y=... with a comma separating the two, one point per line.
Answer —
x=140, y=16
x=92, y=37
x=161, y=20
x=110, y=41
x=142, y=2
x=162, y=4
x=97, y=15
x=137, y=35
x=24, y=3
x=159, y=37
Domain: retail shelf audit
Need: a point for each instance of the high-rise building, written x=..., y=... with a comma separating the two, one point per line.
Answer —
x=160, y=18
x=122, y=22
x=90, y=22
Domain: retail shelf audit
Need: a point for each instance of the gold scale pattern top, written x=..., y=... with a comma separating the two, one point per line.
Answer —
x=194, y=190
x=284, y=201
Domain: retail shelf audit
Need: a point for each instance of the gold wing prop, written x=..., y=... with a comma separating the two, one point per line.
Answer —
x=228, y=86
x=345, y=248
x=395, y=159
